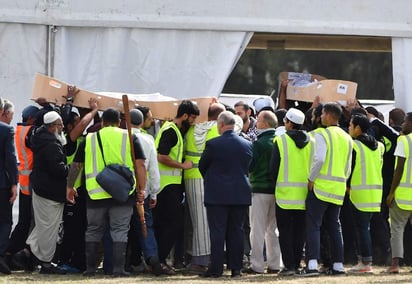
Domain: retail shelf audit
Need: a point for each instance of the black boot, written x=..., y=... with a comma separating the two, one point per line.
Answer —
x=119, y=259
x=24, y=259
x=4, y=268
x=91, y=258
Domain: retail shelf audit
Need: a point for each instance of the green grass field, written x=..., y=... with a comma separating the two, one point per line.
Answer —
x=378, y=276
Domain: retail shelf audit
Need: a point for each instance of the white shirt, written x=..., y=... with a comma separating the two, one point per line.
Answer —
x=280, y=130
x=400, y=149
x=149, y=149
x=319, y=157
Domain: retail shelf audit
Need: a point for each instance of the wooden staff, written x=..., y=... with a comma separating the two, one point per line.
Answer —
x=139, y=205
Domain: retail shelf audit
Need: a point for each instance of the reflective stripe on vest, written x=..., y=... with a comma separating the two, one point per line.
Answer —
x=291, y=185
x=330, y=185
x=169, y=175
x=403, y=193
x=94, y=161
x=70, y=158
x=25, y=156
x=366, y=182
x=193, y=154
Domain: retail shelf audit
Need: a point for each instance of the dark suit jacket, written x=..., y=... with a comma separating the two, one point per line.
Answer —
x=224, y=166
x=8, y=158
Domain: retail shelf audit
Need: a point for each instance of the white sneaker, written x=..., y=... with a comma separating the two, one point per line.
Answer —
x=361, y=268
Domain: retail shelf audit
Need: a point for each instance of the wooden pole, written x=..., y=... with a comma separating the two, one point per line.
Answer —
x=139, y=205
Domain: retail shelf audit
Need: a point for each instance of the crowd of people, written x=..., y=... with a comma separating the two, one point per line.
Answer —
x=252, y=189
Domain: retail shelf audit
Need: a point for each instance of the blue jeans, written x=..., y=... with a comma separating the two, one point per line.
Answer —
x=316, y=212
x=148, y=244
x=363, y=235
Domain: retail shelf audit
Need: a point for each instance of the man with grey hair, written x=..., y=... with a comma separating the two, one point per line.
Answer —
x=262, y=212
x=8, y=185
x=195, y=141
x=224, y=165
x=8, y=112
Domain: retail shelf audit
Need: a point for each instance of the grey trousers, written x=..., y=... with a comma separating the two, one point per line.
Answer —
x=399, y=218
x=47, y=219
x=117, y=217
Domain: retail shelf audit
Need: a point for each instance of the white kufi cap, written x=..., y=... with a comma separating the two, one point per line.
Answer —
x=296, y=116
x=263, y=102
x=51, y=117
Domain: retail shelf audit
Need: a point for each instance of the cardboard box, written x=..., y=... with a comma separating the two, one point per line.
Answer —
x=54, y=91
x=292, y=75
x=327, y=89
x=162, y=107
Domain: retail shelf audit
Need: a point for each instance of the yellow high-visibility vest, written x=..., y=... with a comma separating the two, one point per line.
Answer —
x=366, y=182
x=169, y=175
x=70, y=158
x=330, y=185
x=292, y=182
x=116, y=147
x=403, y=193
x=193, y=154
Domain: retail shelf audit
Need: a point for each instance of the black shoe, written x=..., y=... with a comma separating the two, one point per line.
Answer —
x=250, y=271
x=179, y=266
x=308, y=272
x=195, y=269
x=51, y=269
x=336, y=272
x=87, y=273
x=154, y=262
x=121, y=274
x=167, y=270
x=4, y=268
x=23, y=260
x=236, y=273
x=272, y=271
x=287, y=272
x=209, y=274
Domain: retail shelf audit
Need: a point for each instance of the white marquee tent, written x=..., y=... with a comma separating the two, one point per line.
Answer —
x=181, y=48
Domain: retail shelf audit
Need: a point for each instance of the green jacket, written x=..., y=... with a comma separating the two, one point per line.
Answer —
x=260, y=177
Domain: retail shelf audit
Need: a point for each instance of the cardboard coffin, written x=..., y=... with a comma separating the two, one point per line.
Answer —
x=162, y=107
x=327, y=89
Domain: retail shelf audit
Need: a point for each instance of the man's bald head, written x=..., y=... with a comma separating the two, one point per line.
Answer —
x=214, y=110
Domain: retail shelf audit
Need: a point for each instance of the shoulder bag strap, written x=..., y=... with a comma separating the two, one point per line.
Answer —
x=100, y=146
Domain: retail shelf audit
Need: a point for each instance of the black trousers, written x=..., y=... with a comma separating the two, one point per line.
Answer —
x=72, y=248
x=291, y=227
x=226, y=226
x=168, y=218
x=24, y=225
x=5, y=219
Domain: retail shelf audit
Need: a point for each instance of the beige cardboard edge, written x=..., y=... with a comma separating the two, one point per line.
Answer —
x=285, y=75
x=54, y=90
x=329, y=90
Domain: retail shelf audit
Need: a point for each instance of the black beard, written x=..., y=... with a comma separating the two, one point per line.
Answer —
x=186, y=124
